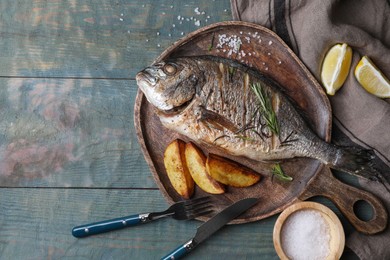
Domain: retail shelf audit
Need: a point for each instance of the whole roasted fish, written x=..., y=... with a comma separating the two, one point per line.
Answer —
x=221, y=102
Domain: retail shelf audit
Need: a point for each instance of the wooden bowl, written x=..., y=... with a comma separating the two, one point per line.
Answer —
x=336, y=231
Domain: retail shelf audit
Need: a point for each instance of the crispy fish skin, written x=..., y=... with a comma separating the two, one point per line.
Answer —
x=211, y=100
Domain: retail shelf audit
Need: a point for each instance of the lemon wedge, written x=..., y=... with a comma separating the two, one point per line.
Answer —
x=335, y=67
x=372, y=79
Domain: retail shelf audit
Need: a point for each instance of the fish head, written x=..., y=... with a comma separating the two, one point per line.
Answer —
x=169, y=85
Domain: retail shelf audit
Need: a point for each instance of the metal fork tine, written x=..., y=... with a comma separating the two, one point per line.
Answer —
x=196, y=205
x=201, y=209
x=197, y=200
x=196, y=214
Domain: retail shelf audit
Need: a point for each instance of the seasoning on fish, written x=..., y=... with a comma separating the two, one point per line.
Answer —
x=218, y=101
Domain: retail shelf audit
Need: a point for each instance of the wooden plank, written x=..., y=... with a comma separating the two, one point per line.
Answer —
x=37, y=223
x=106, y=39
x=69, y=133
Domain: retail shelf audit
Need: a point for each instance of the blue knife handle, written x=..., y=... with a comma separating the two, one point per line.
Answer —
x=180, y=251
x=109, y=225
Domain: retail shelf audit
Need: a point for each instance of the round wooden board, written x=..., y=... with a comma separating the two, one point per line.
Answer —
x=265, y=51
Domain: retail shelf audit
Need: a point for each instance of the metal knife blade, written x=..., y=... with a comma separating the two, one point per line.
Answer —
x=211, y=226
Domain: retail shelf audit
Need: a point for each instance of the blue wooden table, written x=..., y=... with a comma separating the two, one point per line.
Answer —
x=68, y=148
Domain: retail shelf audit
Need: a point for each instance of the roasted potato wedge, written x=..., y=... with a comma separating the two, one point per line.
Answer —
x=177, y=170
x=230, y=173
x=196, y=162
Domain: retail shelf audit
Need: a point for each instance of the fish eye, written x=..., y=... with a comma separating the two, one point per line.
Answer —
x=169, y=69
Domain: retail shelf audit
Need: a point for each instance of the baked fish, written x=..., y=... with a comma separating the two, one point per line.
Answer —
x=224, y=103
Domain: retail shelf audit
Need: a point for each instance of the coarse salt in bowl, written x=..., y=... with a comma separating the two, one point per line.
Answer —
x=308, y=230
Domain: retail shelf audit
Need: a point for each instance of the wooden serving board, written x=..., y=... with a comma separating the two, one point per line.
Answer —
x=263, y=50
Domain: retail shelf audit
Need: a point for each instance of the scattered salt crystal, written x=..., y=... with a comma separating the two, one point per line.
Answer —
x=197, y=23
x=180, y=22
x=121, y=19
x=121, y=14
x=225, y=10
x=305, y=235
x=178, y=17
x=248, y=39
x=158, y=33
x=173, y=25
x=196, y=10
x=208, y=17
x=143, y=5
x=191, y=18
x=182, y=33
x=171, y=6
x=203, y=12
x=266, y=68
x=250, y=54
x=279, y=62
x=233, y=42
x=169, y=34
x=263, y=63
x=270, y=42
x=158, y=45
x=147, y=40
x=269, y=54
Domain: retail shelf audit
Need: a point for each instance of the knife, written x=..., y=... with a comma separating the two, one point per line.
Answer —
x=211, y=226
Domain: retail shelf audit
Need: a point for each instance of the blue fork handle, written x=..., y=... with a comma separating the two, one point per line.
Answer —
x=109, y=225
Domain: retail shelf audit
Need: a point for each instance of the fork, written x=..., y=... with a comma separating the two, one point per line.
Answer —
x=182, y=210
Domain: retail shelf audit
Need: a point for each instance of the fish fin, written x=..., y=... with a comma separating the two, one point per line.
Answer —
x=217, y=121
x=356, y=161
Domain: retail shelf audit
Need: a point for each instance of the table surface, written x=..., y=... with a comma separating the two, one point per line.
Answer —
x=69, y=154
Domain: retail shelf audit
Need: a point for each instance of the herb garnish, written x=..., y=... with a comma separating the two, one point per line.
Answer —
x=211, y=45
x=266, y=107
x=231, y=71
x=279, y=173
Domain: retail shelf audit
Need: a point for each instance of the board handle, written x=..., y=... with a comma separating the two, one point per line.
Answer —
x=344, y=197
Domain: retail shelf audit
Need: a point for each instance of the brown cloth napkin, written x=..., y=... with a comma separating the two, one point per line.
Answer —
x=310, y=28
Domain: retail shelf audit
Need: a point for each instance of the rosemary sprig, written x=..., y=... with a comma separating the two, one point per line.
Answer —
x=279, y=173
x=266, y=108
x=211, y=45
x=231, y=71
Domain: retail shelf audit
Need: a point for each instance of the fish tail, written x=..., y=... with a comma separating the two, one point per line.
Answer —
x=355, y=161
